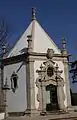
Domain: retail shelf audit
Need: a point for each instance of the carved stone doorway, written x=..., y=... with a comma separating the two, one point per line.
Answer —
x=50, y=86
x=52, y=101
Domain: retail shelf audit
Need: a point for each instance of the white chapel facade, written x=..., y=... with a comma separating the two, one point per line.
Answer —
x=36, y=71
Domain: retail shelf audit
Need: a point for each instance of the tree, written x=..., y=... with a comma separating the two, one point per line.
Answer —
x=4, y=36
x=73, y=71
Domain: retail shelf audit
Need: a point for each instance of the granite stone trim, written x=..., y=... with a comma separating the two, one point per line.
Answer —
x=65, y=62
x=45, y=80
x=30, y=85
x=23, y=56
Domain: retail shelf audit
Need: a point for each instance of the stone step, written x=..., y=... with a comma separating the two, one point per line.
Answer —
x=70, y=116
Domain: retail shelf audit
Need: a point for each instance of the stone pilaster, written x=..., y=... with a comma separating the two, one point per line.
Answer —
x=43, y=98
x=1, y=91
x=30, y=86
x=65, y=62
x=61, y=97
x=67, y=85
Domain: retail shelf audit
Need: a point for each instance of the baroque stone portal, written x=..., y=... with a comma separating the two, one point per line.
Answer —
x=50, y=87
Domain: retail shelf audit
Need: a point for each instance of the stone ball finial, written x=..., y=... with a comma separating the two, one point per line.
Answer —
x=50, y=53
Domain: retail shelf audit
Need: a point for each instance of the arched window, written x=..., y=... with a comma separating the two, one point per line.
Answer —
x=50, y=71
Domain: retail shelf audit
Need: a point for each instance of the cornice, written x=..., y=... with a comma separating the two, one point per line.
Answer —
x=35, y=55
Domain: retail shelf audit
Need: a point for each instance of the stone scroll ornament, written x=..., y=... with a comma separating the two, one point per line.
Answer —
x=14, y=83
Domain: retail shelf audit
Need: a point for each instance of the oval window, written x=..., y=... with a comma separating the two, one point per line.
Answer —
x=50, y=71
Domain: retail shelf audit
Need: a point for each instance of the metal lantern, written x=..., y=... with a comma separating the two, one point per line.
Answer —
x=14, y=78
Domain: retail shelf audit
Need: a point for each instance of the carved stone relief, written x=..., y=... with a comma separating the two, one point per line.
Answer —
x=49, y=74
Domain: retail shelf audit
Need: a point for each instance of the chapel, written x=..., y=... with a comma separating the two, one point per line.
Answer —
x=36, y=73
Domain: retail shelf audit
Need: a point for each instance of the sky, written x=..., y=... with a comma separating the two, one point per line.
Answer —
x=57, y=17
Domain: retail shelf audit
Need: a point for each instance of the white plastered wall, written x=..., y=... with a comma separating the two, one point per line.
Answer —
x=37, y=66
x=17, y=102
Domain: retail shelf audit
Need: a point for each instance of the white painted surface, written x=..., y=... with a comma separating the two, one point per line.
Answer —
x=2, y=116
x=17, y=102
x=21, y=43
x=41, y=41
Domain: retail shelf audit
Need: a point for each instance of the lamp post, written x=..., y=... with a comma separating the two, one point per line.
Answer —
x=5, y=88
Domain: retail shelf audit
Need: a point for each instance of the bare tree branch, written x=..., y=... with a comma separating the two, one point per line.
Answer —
x=4, y=35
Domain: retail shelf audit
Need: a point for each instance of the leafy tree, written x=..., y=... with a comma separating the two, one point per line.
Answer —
x=73, y=71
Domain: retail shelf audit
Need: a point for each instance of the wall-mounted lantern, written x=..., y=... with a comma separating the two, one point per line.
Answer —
x=14, y=84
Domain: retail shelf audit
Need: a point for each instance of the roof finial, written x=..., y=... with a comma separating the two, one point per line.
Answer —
x=33, y=13
x=64, y=50
x=63, y=43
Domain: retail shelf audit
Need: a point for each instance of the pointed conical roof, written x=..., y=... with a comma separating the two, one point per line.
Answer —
x=41, y=40
x=21, y=44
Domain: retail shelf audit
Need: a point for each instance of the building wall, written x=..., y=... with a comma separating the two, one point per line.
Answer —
x=17, y=102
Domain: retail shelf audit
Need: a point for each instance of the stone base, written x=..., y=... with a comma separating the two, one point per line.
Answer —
x=16, y=113
x=42, y=113
x=31, y=112
x=69, y=109
x=69, y=116
x=34, y=112
x=6, y=115
x=28, y=112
